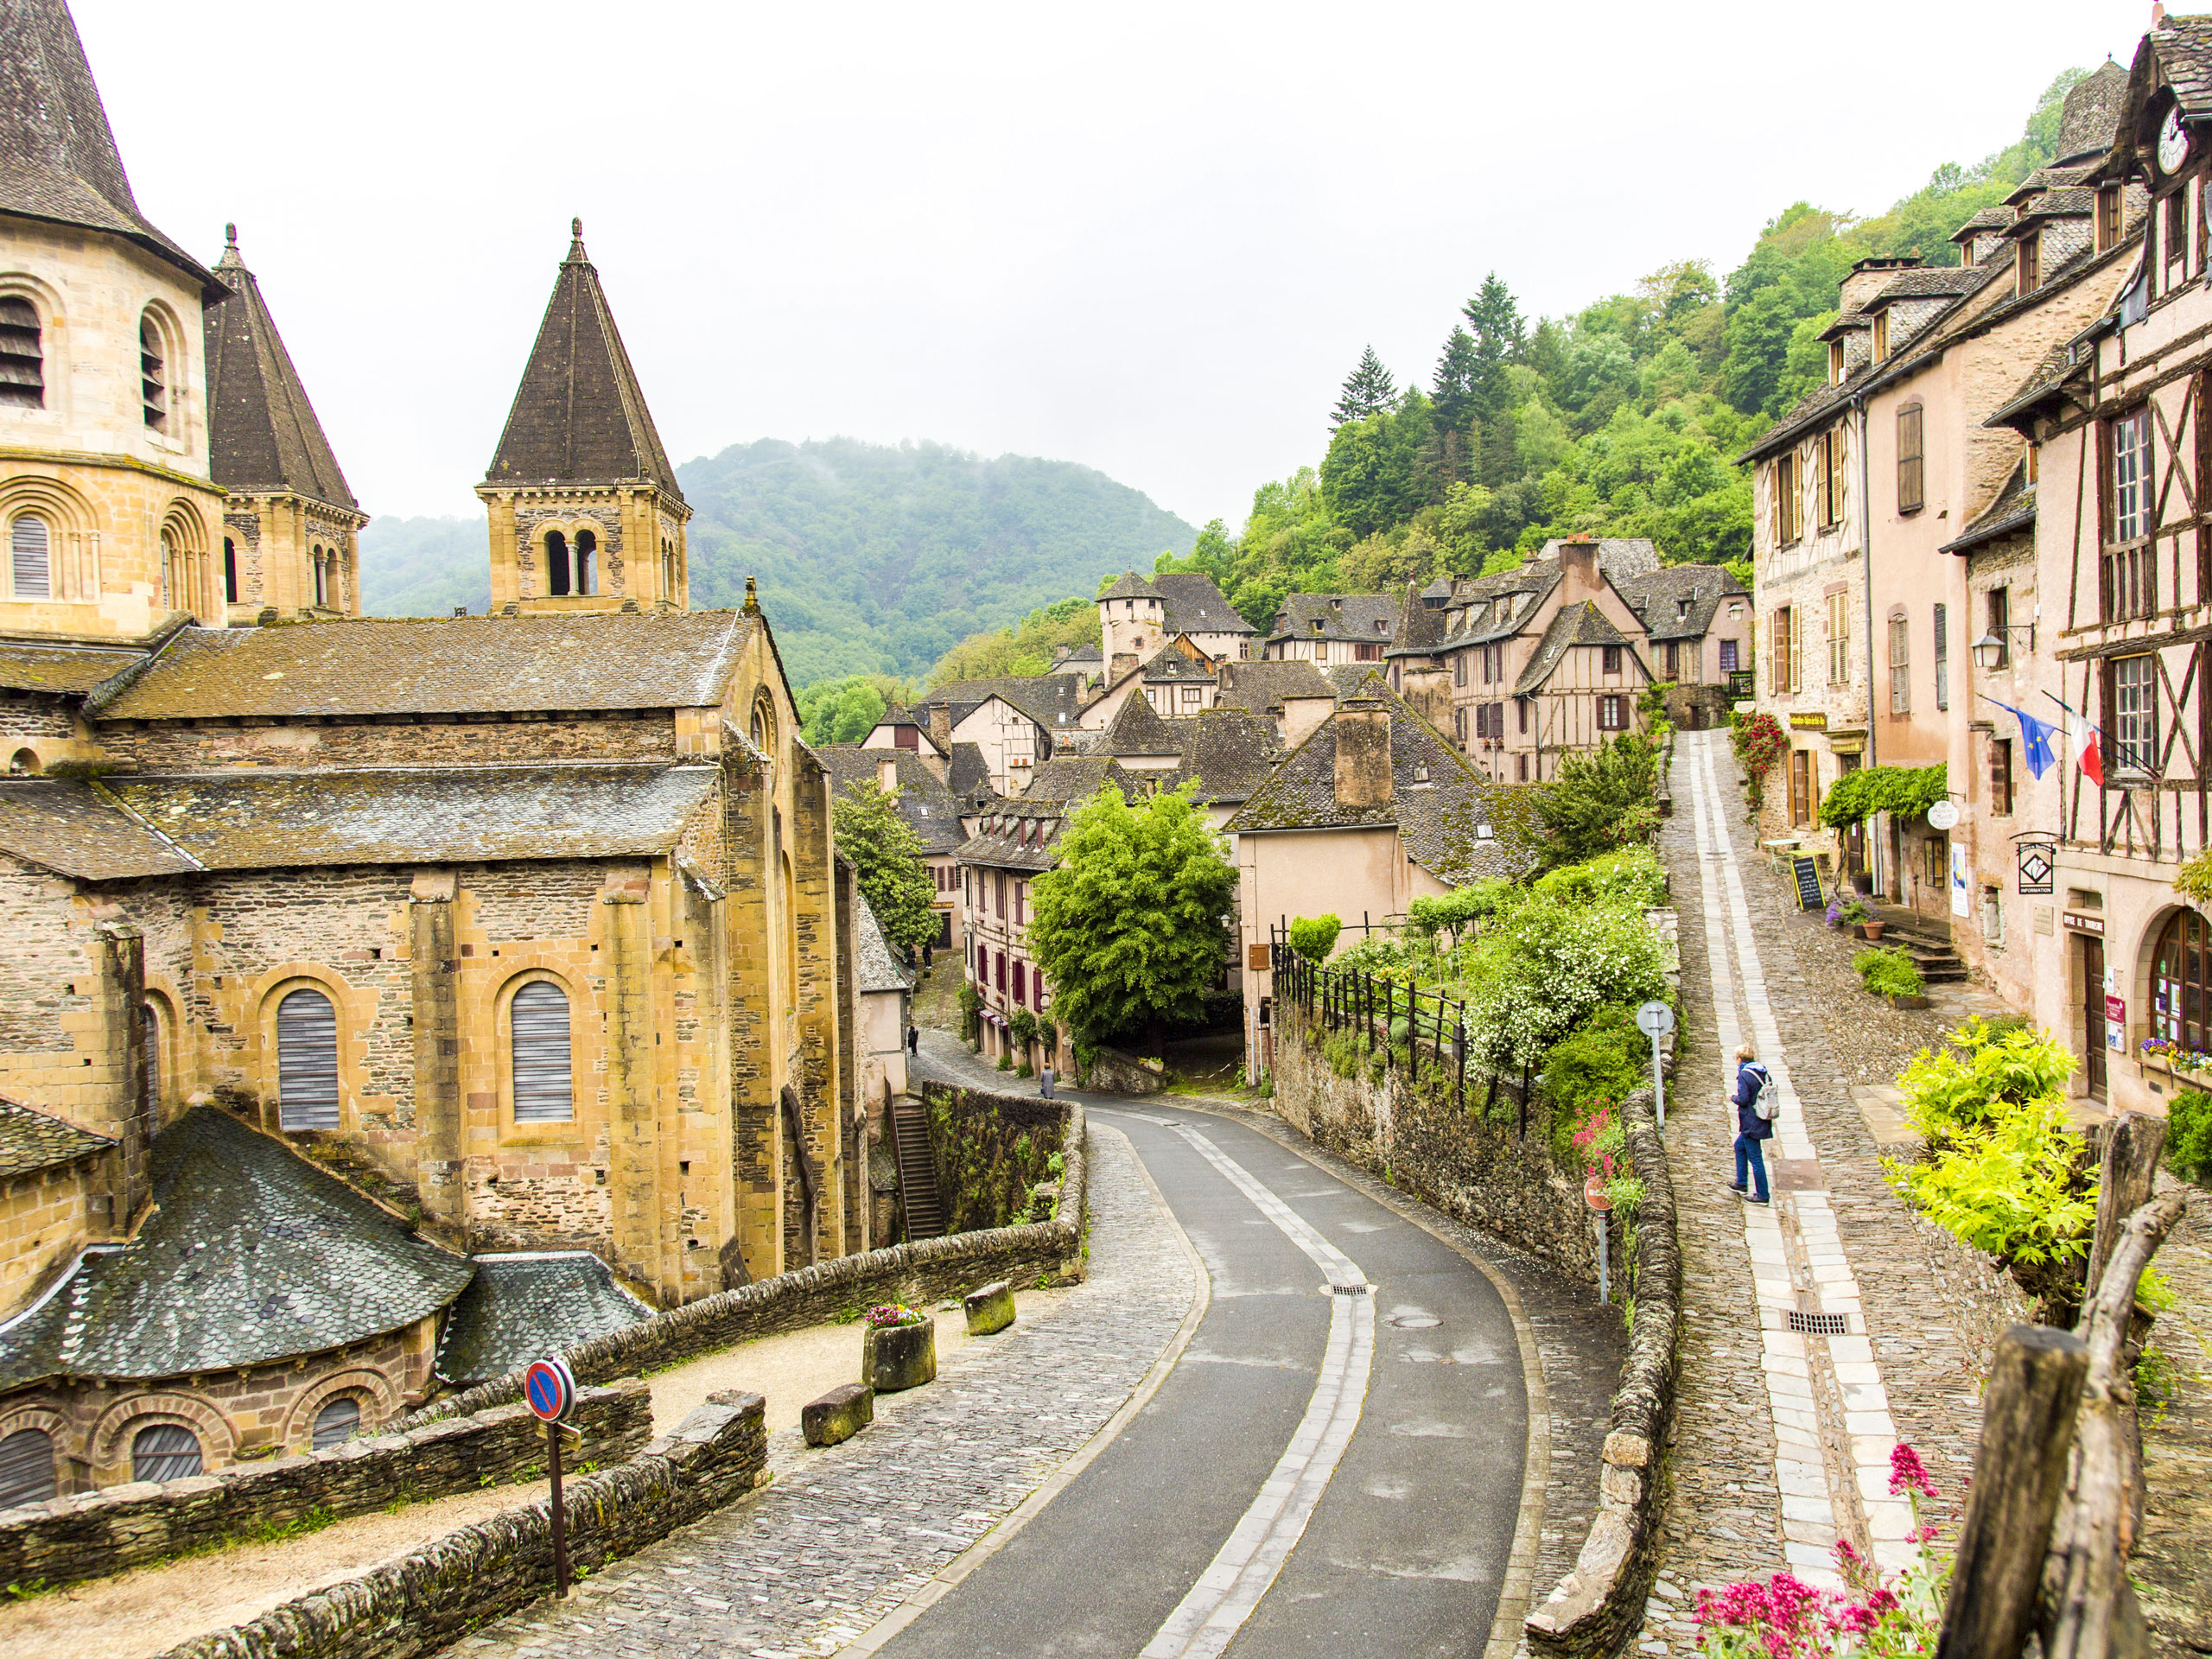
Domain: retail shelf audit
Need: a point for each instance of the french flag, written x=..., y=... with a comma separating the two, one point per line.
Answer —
x=2087, y=755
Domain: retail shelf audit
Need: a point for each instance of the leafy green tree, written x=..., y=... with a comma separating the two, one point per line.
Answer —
x=1127, y=928
x=1368, y=390
x=1029, y=646
x=1601, y=800
x=886, y=860
x=1314, y=937
x=843, y=711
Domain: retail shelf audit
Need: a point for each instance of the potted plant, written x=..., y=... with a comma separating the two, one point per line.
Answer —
x=1855, y=914
x=1894, y=976
x=898, y=1348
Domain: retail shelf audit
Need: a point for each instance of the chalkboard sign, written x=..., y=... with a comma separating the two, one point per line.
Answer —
x=1808, y=883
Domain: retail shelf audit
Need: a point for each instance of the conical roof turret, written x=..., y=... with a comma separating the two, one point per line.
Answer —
x=262, y=434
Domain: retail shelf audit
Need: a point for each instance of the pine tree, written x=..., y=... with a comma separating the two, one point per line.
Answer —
x=1369, y=390
x=1499, y=339
x=886, y=860
x=1128, y=930
x=1452, y=391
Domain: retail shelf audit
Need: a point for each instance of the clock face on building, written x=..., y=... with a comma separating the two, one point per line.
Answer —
x=2173, y=144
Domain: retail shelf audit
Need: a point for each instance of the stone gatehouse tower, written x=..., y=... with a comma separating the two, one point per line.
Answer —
x=356, y=965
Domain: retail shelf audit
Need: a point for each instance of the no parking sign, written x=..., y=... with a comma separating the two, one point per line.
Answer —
x=549, y=1388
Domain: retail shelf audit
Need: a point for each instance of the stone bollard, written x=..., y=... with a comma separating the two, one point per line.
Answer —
x=989, y=1309
x=838, y=1416
x=895, y=1357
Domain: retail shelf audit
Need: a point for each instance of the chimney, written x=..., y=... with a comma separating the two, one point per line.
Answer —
x=1868, y=278
x=941, y=727
x=1578, y=564
x=1362, y=754
x=887, y=775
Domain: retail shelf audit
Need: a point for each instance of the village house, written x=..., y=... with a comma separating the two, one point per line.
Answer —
x=1139, y=614
x=1883, y=506
x=1331, y=630
x=527, y=926
x=925, y=804
x=1016, y=721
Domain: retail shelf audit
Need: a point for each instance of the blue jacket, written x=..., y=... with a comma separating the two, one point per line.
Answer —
x=1749, y=1077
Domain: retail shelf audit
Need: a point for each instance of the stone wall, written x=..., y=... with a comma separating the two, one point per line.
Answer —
x=988, y=1151
x=179, y=746
x=429, y=1598
x=925, y=1271
x=45, y=1216
x=71, y=1539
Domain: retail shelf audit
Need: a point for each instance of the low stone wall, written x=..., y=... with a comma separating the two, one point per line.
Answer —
x=988, y=1151
x=92, y=1534
x=1597, y=1607
x=433, y=1597
x=1117, y=1073
x=923, y=1271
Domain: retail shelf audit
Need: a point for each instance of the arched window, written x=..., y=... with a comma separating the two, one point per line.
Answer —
x=539, y=1018
x=164, y=1451
x=150, y=1024
x=173, y=584
x=556, y=564
x=30, y=558
x=667, y=568
x=338, y=1421
x=26, y=1468
x=2181, y=1010
x=230, y=571
x=307, y=1062
x=153, y=373
x=321, y=593
x=24, y=764
x=23, y=362
x=586, y=562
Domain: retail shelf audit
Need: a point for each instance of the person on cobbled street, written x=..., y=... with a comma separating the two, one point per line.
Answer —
x=1754, y=1123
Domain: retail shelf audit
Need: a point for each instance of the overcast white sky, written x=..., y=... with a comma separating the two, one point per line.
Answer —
x=1150, y=239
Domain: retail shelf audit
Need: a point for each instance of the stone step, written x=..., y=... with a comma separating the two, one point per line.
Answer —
x=917, y=1175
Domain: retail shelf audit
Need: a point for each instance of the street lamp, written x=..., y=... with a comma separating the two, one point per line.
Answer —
x=1993, y=650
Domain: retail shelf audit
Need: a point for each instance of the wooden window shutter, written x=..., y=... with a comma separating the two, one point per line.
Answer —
x=26, y=1468
x=544, y=1090
x=307, y=1062
x=1911, y=469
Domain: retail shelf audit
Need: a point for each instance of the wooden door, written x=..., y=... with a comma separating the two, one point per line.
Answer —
x=2093, y=1012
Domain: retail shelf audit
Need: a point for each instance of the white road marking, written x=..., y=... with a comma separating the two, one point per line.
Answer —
x=1206, y=1619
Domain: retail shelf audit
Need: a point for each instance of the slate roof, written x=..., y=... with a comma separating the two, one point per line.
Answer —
x=2014, y=509
x=58, y=159
x=1659, y=597
x=1195, y=604
x=1008, y=847
x=524, y=1306
x=1422, y=632
x=1617, y=555
x=2074, y=203
x=251, y=1253
x=31, y=1139
x=1533, y=579
x=1258, y=687
x=67, y=826
x=1227, y=753
x=1132, y=586
x=462, y=664
x=1571, y=625
x=261, y=431
x=65, y=670
x=930, y=809
x=1169, y=666
x=1342, y=616
x=2058, y=365
x=968, y=775
x=877, y=967
x=1051, y=699
x=1073, y=777
x=1137, y=728
x=579, y=415
x=1929, y=281
x=1989, y=219
x=1439, y=819
x=1082, y=657
x=2091, y=113
x=1346, y=678
x=279, y=820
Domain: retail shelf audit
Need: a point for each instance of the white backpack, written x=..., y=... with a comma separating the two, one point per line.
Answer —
x=1768, y=1103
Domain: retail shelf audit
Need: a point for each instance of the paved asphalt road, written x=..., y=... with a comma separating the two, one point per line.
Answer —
x=1332, y=1467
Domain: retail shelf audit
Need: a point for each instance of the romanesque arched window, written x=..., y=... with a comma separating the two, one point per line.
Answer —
x=667, y=568
x=22, y=356
x=2181, y=1008
x=586, y=562
x=307, y=1062
x=338, y=1421
x=538, y=1032
x=26, y=1468
x=30, y=558
x=153, y=372
x=230, y=571
x=149, y=1023
x=164, y=1451
x=556, y=564
x=321, y=588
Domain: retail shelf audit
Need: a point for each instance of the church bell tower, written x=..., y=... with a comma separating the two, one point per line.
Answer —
x=586, y=514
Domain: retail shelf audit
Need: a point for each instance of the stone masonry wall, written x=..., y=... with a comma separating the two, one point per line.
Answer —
x=71, y=1539
x=431, y=1598
x=226, y=745
x=45, y=1216
x=988, y=1151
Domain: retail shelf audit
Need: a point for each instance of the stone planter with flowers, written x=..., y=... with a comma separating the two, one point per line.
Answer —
x=898, y=1348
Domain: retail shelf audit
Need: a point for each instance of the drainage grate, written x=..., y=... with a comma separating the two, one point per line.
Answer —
x=1820, y=1324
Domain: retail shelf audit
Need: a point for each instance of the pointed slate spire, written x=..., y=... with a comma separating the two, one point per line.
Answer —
x=58, y=159
x=579, y=417
x=263, y=435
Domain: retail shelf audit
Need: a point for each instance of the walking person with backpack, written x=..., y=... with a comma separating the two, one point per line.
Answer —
x=1758, y=1100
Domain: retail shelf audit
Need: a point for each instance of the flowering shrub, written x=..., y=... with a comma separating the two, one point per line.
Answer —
x=1785, y=1617
x=886, y=1315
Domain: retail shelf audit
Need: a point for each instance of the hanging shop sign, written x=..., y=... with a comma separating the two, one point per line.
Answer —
x=2038, y=861
x=1808, y=722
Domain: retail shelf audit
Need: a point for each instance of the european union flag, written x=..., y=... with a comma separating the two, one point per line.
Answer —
x=2035, y=739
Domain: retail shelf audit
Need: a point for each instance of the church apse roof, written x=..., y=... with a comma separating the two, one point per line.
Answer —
x=263, y=433
x=579, y=415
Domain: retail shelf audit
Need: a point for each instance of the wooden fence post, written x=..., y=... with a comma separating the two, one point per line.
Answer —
x=2027, y=1427
x=2129, y=1173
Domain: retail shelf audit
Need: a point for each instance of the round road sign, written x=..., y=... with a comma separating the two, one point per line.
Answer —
x=549, y=1388
x=1655, y=1019
x=1594, y=1193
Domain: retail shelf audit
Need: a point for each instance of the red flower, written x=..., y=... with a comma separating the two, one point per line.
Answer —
x=1906, y=1473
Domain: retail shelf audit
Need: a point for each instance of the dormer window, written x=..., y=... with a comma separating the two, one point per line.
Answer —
x=152, y=374
x=1381, y=626
x=22, y=375
x=1835, y=362
x=2107, y=217
x=1317, y=625
x=1881, y=335
x=1681, y=610
x=2030, y=270
x=2176, y=233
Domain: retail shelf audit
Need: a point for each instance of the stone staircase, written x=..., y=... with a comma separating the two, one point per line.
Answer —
x=1927, y=943
x=910, y=1144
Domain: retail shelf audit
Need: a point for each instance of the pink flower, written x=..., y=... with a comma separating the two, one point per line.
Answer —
x=1906, y=1473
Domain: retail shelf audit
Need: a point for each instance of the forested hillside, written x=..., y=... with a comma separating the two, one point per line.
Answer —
x=1624, y=419
x=870, y=559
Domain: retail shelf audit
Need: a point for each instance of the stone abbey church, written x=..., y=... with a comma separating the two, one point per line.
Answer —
x=383, y=1002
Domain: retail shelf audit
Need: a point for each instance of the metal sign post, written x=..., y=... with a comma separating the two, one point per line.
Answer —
x=1594, y=1194
x=1655, y=1019
x=549, y=1389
